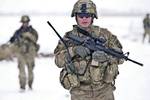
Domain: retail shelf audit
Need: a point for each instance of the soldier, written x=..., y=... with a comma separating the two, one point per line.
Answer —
x=96, y=71
x=25, y=38
x=146, y=24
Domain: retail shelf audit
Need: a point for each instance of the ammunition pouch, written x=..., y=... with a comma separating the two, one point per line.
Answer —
x=85, y=77
x=98, y=66
x=111, y=73
x=97, y=72
x=68, y=80
x=103, y=68
x=80, y=66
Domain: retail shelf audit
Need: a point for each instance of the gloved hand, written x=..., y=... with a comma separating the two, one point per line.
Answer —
x=100, y=56
x=12, y=39
x=81, y=51
x=114, y=60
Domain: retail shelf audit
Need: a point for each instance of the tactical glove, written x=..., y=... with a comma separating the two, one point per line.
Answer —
x=100, y=56
x=81, y=51
x=12, y=39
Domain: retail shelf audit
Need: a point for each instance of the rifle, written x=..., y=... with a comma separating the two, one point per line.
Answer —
x=94, y=44
x=91, y=44
x=70, y=66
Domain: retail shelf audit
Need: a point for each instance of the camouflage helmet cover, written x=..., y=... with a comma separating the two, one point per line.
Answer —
x=25, y=18
x=84, y=6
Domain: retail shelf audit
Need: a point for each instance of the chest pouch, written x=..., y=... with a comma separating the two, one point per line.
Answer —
x=68, y=81
x=98, y=66
x=111, y=73
x=97, y=72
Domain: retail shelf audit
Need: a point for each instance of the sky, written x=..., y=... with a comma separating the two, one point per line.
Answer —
x=65, y=6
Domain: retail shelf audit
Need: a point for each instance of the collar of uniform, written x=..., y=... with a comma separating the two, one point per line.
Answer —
x=89, y=29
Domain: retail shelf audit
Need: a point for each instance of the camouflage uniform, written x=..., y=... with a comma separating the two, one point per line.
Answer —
x=146, y=23
x=97, y=83
x=97, y=71
x=25, y=39
x=5, y=52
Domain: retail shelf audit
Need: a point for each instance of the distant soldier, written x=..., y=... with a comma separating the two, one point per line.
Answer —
x=25, y=38
x=146, y=24
x=94, y=74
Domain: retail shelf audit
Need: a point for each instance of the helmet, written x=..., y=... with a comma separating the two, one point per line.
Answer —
x=84, y=6
x=25, y=18
x=147, y=14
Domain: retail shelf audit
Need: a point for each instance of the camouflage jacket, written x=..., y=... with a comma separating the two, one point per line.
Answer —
x=146, y=22
x=19, y=33
x=25, y=38
x=94, y=72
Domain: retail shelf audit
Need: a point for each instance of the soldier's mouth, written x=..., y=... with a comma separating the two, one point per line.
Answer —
x=84, y=23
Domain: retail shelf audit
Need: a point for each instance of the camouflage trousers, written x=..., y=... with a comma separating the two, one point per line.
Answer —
x=89, y=92
x=26, y=62
x=146, y=32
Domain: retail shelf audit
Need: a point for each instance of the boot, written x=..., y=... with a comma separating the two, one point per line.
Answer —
x=30, y=84
x=22, y=89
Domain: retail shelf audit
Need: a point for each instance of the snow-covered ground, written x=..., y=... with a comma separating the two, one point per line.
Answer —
x=133, y=80
x=132, y=83
x=46, y=85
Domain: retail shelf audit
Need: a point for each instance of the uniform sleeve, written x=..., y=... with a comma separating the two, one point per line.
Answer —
x=111, y=40
x=61, y=54
x=15, y=36
x=12, y=39
x=115, y=44
x=34, y=33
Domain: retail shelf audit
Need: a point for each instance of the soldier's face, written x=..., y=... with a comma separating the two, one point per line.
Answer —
x=25, y=24
x=84, y=20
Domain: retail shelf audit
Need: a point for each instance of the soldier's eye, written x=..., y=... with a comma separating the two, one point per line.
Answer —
x=86, y=15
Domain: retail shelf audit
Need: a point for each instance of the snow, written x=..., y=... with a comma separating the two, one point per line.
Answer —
x=133, y=80
x=46, y=85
